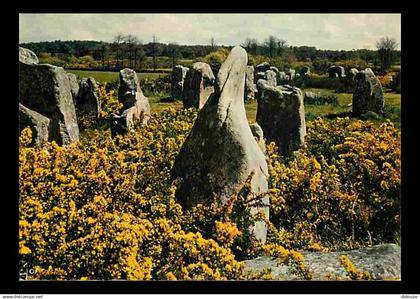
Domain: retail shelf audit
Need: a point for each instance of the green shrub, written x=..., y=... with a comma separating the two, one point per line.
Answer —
x=320, y=99
x=319, y=81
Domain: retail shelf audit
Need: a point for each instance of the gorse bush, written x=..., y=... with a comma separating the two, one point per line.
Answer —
x=215, y=59
x=107, y=104
x=106, y=209
x=342, y=191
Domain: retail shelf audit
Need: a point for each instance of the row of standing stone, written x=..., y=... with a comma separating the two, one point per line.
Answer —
x=280, y=105
x=222, y=150
x=51, y=101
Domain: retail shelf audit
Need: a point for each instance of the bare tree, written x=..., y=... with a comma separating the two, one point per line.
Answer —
x=131, y=42
x=138, y=48
x=271, y=46
x=140, y=55
x=154, y=51
x=251, y=45
x=247, y=44
x=386, y=47
x=281, y=45
x=117, y=46
x=173, y=51
x=103, y=52
x=212, y=44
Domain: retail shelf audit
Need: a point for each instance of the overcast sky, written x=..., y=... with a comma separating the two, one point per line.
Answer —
x=324, y=31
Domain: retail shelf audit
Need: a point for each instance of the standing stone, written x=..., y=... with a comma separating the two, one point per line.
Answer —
x=74, y=86
x=136, y=107
x=250, y=87
x=291, y=73
x=46, y=89
x=368, y=94
x=198, y=85
x=269, y=76
x=349, y=80
x=259, y=75
x=397, y=82
x=127, y=121
x=258, y=134
x=281, y=116
x=281, y=78
x=274, y=69
x=129, y=91
x=27, y=56
x=353, y=72
x=336, y=72
x=39, y=124
x=87, y=99
x=178, y=76
x=221, y=153
x=262, y=67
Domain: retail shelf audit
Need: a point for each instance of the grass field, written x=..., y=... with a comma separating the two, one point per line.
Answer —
x=158, y=103
x=392, y=107
x=102, y=76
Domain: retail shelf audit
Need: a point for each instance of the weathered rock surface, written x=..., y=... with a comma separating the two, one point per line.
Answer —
x=383, y=262
x=136, y=107
x=291, y=73
x=258, y=134
x=250, y=86
x=128, y=120
x=353, y=72
x=39, y=124
x=27, y=56
x=87, y=99
x=368, y=94
x=221, y=153
x=198, y=85
x=282, y=78
x=74, y=86
x=179, y=73
x=274, y=69
x=269, y=76
x=46, y=89
x=348, y=81
x=336, y=71
x=262, y=67
x=259, y=76
x=397, y=82
x=281, y=116
x=129, y=91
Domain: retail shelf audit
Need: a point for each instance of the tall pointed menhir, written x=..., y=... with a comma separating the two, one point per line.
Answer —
x=221, y=153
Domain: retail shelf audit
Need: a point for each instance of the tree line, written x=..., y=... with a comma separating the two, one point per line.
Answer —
x=129, y=51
